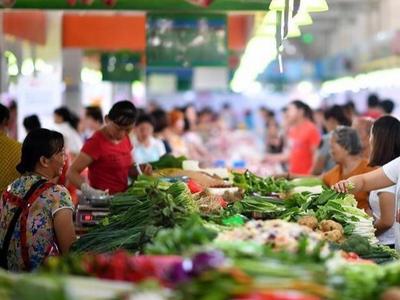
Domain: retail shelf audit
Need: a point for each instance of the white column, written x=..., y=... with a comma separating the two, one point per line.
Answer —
x=72, y=66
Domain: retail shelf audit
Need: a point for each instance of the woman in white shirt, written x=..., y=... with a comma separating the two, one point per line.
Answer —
x=66, y=123
x=146, y=148
x=385, y=145
x=383, y=177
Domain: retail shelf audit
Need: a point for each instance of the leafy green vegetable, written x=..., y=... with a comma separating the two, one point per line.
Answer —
x=169, y=161
x=178, y=240
x=251, y=184
x=307, y=181
x=361, y=246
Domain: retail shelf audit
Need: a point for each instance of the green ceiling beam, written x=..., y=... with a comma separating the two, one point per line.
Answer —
x=149, y=5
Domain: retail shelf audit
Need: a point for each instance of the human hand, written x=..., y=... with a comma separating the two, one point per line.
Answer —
x=343, y=186
x=90, y=192
x=146, y=169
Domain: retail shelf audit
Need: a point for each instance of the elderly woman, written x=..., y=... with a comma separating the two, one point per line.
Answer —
x=346, y=152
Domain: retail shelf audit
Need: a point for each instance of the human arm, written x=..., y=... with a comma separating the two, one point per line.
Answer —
x=319, y=164
x=74, y=175
x=373, y=180
x=64, y=229
x=147, y=169
x=81, y=162
x=387, y=207
x=277, y=158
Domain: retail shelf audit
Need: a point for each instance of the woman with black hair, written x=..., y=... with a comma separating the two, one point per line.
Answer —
x=303, y=140
x=36, y=215
x=107, y=155
x=333, y=117
x=67, y=124
x=160, y=118
x=147, y=148
x=385, y=145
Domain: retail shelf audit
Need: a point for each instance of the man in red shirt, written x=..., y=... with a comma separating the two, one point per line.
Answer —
x=373, y=111
x=107, y=155
x=303, y=140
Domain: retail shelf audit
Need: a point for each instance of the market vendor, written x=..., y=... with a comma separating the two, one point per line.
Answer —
x=36, y=215
x=346, y=151
x=107, y=155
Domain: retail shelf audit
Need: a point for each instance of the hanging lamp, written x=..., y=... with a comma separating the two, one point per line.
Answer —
x=303, y=18
x=315, y=5
x=306, y=5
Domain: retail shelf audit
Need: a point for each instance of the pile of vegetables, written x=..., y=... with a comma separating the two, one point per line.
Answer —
x=361, y=246
x=137, y=215
x=253, y=184
x=255, y=258
x=327, y=205
x=279, y=235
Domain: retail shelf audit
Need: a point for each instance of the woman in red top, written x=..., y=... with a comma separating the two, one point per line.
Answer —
x=303, y=140
x=107, y=155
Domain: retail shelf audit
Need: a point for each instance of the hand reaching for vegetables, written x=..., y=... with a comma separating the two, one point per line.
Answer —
x=90, y=192
x=343, y=186
x=146, y=169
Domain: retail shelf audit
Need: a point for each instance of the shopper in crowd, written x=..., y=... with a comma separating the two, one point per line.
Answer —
x=152, y=106
x=146, y=147
x=319, y=118
x=160, y=118
x=263, y=117
x=46, y=225
x=385, y=145
x=191, y=116
x=92, y=121
x=333, y=117
x=249, y=121
x=227, y=115
x=10, y=151
x=387, y=107
x=303, y=140
x=174, y=133
x=363, y=126
x=350, y=110
x=346, y=152
x=13, y=122
x=206, y=121
x=67, y=124
x=31, y=122
x=275, y=141
x=373, y=107
x=108, y=155
x=196, y=149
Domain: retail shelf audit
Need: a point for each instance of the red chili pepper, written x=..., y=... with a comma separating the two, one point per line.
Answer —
x=222, y=202
x=194, y=187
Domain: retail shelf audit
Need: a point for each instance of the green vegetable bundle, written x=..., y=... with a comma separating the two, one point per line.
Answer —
x=138, y=215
